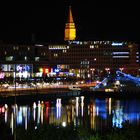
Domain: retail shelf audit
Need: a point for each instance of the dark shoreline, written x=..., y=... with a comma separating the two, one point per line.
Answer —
x=102, y=94
x=65, y=94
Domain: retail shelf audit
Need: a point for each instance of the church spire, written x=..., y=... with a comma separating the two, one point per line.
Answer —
x=70, y=30
x=70, y=18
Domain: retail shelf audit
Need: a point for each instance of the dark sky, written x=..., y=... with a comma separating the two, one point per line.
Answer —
x=94, y=19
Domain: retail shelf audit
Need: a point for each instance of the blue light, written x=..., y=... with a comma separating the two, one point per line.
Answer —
x=119, y=53
x=101, y=104
x=56, y=70
x=102, y=82
x=128, y=77
x=58, y=79
x=116, y=44
x=19, y=116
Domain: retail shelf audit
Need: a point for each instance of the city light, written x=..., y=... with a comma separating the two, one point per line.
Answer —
x=64, y=124
x=116, y=44
x=59, y=84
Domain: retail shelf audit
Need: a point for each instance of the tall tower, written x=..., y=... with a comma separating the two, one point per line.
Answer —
x=70, y=30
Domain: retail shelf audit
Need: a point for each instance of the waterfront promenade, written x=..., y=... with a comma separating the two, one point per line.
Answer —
x=18, y=91
x=63, y=91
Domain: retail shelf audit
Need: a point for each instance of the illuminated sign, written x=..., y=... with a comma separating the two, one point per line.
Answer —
x=116, y=44
x=44, y=70
x=74, y=42
x=22, y=68
x=120, y=53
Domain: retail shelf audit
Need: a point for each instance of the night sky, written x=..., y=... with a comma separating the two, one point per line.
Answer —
x=95, y=20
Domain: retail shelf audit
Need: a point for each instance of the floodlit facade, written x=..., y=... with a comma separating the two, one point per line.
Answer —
x=70, y=30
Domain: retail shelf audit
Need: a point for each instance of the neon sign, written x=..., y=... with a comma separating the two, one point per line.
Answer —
x=23, y=68
x=19, y=68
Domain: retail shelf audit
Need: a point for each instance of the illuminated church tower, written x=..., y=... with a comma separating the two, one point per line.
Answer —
x=70, y=30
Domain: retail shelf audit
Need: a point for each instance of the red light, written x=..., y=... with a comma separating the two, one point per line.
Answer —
x=47, y=104
x=46, y=70
x=3, y=110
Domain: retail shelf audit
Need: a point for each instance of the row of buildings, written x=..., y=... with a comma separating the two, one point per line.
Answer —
x=85, y=59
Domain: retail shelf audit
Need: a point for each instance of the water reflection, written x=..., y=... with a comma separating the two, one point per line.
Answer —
x=58, y=108
x=34, y=111
x=82, y=105
x=38, y=113
x=79, y=111
x=77, y=106
x=12, y=123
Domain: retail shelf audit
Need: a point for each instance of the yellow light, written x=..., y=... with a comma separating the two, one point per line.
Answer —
x=70, y=30
x=64, y=124
x=46, y=70
x=40, y=70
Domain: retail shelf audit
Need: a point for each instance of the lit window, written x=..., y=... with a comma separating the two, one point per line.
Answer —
x=120, y=56
x=58, y=47
x=55, y=55
x=64, y=51
x=91, y=46
x=9, y=58
x=101, y=42
x=25, y=58
x=37, y=58
x=96, y=46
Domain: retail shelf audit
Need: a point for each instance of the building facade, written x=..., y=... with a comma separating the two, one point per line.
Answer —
x=83, y=59
x=86, y=57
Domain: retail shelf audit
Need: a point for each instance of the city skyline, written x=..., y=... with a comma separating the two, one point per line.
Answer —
x=93, y=21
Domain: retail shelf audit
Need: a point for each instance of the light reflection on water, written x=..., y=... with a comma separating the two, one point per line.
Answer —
x=79, y=111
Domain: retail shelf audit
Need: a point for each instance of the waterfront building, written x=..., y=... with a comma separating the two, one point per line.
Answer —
x=86, y=58
x=82, y=59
